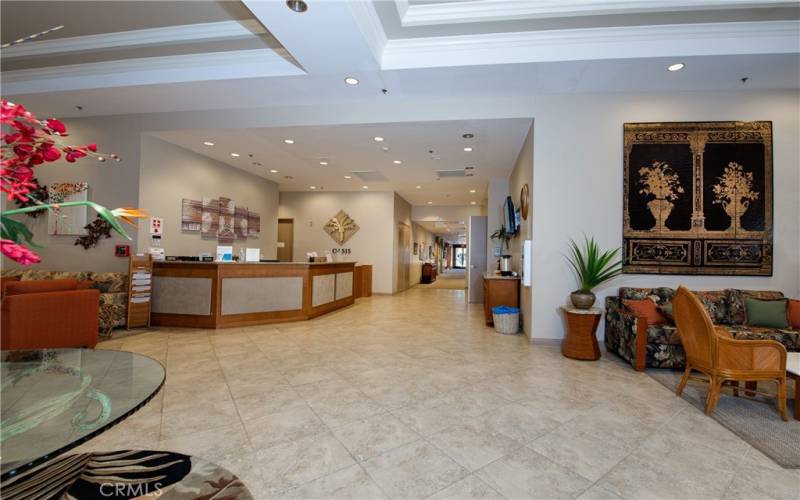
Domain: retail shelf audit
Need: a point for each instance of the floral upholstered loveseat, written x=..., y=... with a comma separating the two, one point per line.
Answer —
x=644, y=345
x=113, y=291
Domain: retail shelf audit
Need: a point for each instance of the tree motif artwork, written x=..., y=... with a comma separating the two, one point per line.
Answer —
x=661, y=182
x=734, y=192
x=341, y=227
x=697, y=198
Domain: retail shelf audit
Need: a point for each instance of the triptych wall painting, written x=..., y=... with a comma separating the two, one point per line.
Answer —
x=698, y=198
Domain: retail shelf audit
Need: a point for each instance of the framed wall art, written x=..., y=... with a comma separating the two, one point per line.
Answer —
x=698, y=198
x=67, y=220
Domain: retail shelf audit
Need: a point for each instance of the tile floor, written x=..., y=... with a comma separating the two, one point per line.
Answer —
x=412, y=396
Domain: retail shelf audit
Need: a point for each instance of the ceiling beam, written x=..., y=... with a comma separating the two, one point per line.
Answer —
x=151, y=70
x=684, y=40
x=329, y=38
x=474, y=11
x=201, y=32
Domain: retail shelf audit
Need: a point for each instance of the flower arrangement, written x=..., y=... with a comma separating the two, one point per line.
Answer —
x=26, y=143
x=660, y=181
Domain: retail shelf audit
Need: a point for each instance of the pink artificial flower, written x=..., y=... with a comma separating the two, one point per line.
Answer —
x=18, y=253
x=56, y=126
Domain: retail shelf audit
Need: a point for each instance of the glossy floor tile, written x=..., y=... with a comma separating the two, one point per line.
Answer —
x=412, y=396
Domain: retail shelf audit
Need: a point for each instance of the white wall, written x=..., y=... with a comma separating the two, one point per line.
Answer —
x=169, y=173
x=372, y=244
x=520, y=176
x=578, y=185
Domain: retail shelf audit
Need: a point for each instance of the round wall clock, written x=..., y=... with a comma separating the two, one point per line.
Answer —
x=523, y=202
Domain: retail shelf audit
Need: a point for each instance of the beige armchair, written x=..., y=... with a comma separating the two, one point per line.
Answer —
x=722, y=359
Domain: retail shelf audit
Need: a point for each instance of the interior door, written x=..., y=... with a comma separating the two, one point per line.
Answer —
x=476, y=257
x=286, y=238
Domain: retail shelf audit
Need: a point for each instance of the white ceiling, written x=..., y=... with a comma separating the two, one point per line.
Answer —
x=352, y=148
x=452, y=231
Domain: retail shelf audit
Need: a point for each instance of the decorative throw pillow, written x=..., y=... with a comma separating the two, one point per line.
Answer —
x=793, y=313
x=666, y=311
x=85, y=285
x=769, y=313
x=646, y=308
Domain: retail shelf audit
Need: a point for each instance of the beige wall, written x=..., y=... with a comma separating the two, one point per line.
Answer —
x=521, y=175
x=578, y=187
x=170, y=173
x=402, y=250
x=112, y=184
x=498, y=191
x=372, y=244
x=418, y=234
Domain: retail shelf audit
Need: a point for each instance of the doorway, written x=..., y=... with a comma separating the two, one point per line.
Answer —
x=285, y=240
x=459, y=257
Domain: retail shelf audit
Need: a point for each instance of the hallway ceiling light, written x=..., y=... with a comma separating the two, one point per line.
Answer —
x=419, y=187
x=676, y=67
x=273, y=171
x=208, y=143
x=298, y=6
x=397, y=162
x=471, y=190
x=312, y=187
x=364, y=187
x=288, y=141
x=430, y=203
x=235, y=155
x=351, y=80
x=348, y=177
x=323, y=163
x=468, y=150
x=377, y=138
x=473, y=203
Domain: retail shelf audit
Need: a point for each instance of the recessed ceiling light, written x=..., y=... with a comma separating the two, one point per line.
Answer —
x=351, y=80
x=468, y=150
x=364, y=187
x=298, y=6
x=397, y=162
x=288, y=141
x=473, y=203
x=208, y=143
x=676, y=67
x=471, y=190
x=377, y=138
x=347, y=177
x=323, y=162
x=419, y=187
x=273, y=171
x=235, y=155
x=430, y=203
x=312, y=187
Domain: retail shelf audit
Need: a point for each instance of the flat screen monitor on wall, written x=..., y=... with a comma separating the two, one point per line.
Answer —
x=509, y=217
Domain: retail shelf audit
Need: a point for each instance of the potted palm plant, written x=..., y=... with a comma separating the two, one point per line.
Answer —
x=592, y=268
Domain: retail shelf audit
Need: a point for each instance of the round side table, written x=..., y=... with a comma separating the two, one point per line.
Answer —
x=580, y=341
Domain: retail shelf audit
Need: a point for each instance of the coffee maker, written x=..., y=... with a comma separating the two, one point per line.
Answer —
x=505, y=265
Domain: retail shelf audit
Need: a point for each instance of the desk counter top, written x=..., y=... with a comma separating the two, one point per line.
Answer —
x=196, y=262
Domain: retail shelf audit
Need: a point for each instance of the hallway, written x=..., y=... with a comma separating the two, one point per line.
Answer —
x=452, y=279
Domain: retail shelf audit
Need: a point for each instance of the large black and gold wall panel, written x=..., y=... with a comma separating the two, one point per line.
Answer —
x=698, y=198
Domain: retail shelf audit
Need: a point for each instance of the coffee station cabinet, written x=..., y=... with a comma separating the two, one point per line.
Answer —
x=499, y=291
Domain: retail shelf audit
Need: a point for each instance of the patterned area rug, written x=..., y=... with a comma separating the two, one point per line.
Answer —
x=755, y=420
x=127, y=474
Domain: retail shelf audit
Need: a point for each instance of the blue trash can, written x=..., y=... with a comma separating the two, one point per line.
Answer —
x=506, y=319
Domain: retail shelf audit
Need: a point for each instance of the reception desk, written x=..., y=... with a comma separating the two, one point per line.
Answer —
x=223, y=295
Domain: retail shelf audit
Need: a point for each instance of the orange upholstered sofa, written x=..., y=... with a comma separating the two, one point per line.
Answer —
x=49, y=314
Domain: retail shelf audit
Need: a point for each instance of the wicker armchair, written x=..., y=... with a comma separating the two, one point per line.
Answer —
x=722, y=359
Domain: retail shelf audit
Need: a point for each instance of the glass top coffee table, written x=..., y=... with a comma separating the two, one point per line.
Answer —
x=55, y=399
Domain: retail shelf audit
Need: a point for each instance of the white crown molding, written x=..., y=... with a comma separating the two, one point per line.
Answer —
x=768, y=37
x=151, y=70
x=370, y=25
x=151, y=36
x=509, y=10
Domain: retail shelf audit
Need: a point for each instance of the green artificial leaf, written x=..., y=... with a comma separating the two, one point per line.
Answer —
x=16, y=231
